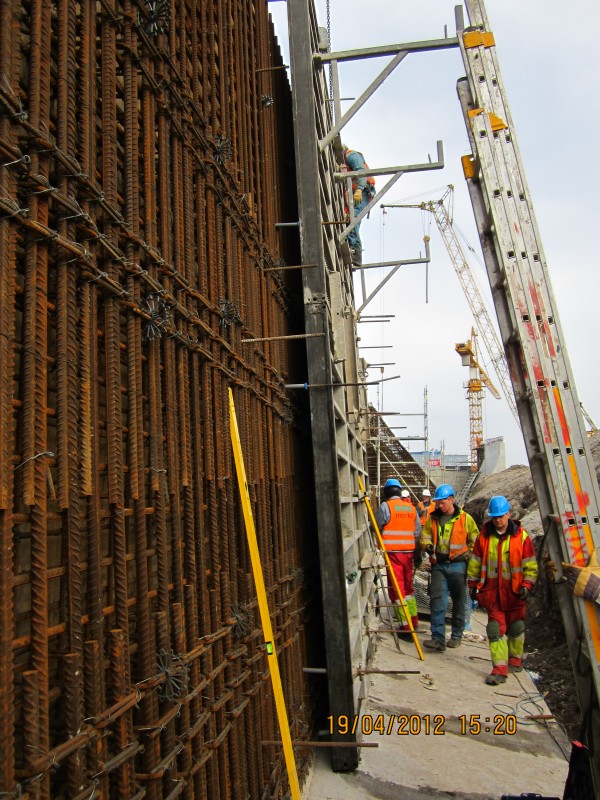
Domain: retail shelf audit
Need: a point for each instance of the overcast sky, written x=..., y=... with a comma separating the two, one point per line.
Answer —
x=550, y=63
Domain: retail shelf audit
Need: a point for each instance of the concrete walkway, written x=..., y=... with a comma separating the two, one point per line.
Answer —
x=446, y=734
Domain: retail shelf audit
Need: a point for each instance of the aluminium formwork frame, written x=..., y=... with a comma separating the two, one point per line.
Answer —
x=549, y=409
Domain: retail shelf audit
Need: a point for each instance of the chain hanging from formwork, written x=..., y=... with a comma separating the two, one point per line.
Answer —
x=331, y=98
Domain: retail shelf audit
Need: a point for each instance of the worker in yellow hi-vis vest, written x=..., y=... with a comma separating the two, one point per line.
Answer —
x=448, y=537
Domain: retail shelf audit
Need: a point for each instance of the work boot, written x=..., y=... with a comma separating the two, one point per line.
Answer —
x=437, y=645
x=356, y=256
x=453, y=642
x=495, y=679
x=515, y=667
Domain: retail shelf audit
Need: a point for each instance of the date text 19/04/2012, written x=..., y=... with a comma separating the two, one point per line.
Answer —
x=428, y=724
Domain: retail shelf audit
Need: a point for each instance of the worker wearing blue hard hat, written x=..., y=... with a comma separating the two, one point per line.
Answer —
x=400, y=529
x=501, y=574
x=443, y=491
x=448, y=537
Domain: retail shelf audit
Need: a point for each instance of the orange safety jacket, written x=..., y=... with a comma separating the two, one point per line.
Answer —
x=370, y=178
x=458, y=536
x=500, y=565
x=515, y=560
x=399, y=533
x=426, y=510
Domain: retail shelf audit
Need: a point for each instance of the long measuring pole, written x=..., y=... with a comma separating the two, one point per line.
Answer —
x=263, y=605
x=389, y=566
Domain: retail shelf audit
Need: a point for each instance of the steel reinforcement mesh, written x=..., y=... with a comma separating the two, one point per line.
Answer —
x=146, y=156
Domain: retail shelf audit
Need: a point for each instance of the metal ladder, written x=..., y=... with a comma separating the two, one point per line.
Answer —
x=549, y=409
x=465, y=492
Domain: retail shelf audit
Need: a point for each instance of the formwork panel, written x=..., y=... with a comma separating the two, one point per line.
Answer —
x=145, y=157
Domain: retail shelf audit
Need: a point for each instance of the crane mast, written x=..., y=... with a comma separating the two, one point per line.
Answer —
x=443, y=218
x=478, y=308
x=477, y=383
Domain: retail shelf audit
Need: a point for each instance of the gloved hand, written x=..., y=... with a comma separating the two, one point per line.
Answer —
x=358, y=196
x=418, y=559
x=550, y=568
x=473, y=593
x=584, y=581
x=524, y=592
x=429, y=549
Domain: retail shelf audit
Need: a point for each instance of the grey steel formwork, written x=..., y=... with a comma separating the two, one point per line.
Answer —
x=335, y=376
x=336, y=391
x=554, y=433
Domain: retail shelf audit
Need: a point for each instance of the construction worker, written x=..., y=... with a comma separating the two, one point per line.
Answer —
x=363, y=190
x=425, y=506
x=405, y=495
x=400, y=530
x=584, y=581
x=501, y=574
x=448, y=537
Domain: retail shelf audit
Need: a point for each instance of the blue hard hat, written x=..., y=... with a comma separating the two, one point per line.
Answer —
x=443, y=491
x=392, y=482
x=498, y=506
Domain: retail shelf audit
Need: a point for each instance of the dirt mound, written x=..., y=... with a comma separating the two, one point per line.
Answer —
x=545, y=644
x=514, y=483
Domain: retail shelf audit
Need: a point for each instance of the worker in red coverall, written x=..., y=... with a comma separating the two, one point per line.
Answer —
x=400, y=530
x=501, y=573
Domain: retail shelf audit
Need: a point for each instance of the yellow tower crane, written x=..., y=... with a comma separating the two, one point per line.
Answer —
x=478, y=379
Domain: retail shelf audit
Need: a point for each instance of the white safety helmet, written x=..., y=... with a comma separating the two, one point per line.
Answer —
x=405, y=493
x=426, y=493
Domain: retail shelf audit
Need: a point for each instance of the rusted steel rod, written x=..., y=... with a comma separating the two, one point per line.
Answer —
x=306, y=743
x=286, y=268
x=142, y=174
x=283, y=338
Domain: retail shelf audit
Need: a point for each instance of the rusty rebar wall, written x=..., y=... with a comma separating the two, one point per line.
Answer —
x=146, y=154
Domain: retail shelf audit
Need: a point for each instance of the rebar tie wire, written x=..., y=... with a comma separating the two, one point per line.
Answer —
x=25, y=159
x=15, y=213
x=176, y=674
x=48, y=453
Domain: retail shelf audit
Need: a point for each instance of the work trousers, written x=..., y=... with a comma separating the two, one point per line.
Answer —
x=354, y=239
x=448, y=577
x=402, y=564
x=505, y=650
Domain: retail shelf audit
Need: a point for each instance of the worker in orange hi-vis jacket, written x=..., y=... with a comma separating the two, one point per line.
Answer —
x=400, y=530
x=501, y=574
x=425, y=506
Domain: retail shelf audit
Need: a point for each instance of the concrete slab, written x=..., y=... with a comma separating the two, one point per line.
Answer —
x=445, y=733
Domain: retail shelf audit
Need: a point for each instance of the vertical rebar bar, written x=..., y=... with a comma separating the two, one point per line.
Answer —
x=117, y=351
